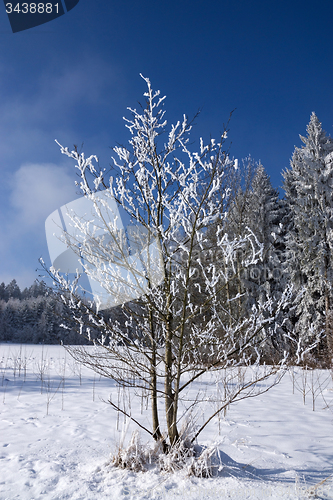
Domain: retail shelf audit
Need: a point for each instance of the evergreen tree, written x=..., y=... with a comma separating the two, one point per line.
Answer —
x=13, y=290
x=10, y=319
x=265, y=215
x=308, y=185
x=3, y=292
x=237, y=220
x=267, y=279
x=35, y=290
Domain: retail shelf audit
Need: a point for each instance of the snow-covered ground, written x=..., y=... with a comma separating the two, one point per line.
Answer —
x=57, y=434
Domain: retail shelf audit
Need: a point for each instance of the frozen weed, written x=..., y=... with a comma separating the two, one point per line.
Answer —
x=182, y=456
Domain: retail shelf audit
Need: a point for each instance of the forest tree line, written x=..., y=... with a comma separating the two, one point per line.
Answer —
x=33, y=315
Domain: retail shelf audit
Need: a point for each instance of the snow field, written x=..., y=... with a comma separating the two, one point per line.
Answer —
x=57, y=434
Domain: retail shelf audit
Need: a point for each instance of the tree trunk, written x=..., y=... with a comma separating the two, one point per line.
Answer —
x=169, y=396
x=329, y=334
x=328, y=316
x=153, y=384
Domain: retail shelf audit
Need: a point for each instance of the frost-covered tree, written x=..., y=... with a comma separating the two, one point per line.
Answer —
x=10, y=319
x=173, y=333
x=3, y=292
x=234, y=221
x=35, y=290
x=236, y=224
x=13, y=290
x=255, y=205
x=308, y=185
x=265, y=216
x=267, y=279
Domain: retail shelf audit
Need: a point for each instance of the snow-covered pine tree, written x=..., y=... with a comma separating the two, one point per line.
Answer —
x=308, y=185
x=265, y=219
x=13, y=290
x=255, y=205
x=236, y=221
x=267, y=279
x=3, y=292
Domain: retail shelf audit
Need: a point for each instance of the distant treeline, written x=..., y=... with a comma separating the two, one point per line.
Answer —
x=34, y=315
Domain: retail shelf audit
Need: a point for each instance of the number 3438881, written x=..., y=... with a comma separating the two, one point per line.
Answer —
x=32, y=8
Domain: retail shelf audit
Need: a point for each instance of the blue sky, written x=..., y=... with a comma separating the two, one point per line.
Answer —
x=73, y=78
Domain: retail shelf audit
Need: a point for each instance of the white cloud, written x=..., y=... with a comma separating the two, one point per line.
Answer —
x=39, y=189
x=63, y=101
x=34, y=191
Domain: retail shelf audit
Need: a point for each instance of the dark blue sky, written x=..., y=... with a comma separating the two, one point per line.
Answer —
x=72, y=79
